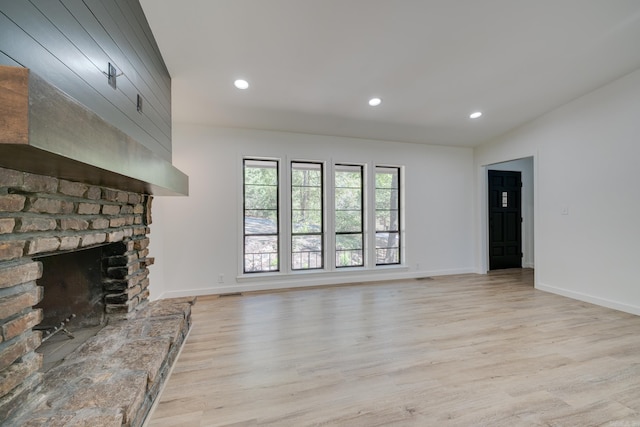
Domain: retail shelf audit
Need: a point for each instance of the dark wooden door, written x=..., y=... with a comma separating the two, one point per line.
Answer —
x=505, y=220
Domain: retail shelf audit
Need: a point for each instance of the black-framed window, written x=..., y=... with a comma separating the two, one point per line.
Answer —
x=307, y=216
x=261, y=215
x=387, y=201
x=349, y=215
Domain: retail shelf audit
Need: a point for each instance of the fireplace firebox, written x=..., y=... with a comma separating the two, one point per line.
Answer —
x=73, y=293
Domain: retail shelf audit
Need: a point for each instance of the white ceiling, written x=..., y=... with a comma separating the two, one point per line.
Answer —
x=313, y=64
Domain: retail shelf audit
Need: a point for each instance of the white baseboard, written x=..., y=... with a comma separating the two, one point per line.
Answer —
x=287, y=282
x=616, y=305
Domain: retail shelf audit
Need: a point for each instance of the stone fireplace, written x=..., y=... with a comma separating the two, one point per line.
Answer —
x=54, y=222
x=86, y=246
x=75, y=210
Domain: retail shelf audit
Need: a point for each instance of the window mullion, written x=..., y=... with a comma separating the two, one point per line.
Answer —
x=330, y=208
x=285, y=218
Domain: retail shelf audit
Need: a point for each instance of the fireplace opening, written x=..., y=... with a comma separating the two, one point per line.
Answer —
x=73, y=304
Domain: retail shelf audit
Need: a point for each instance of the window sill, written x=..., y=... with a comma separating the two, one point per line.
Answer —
x=342, y=273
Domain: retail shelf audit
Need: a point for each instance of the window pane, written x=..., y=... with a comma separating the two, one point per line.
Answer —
x=348, y=221
x=387, y=248
x=386, y=198
x=306, y=221
x=306, y=198
x=261, y=172
x=348, y=198
x=260, y=197
x=387, y=256
x=387, y=177
x=306, y=215
x=348, y=176
x=387, y=215
x=306, y=252
x=386, y=220
x=348, y=182
x=260, y=222
x=349, y=241
x=260, y=215
x=349, y=250
x=306, y=174
x=260, y=253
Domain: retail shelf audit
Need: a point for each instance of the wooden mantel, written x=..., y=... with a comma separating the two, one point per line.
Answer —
x=14, y=105
x=44, y=131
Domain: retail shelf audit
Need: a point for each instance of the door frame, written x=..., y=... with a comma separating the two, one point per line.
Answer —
x=528, y=239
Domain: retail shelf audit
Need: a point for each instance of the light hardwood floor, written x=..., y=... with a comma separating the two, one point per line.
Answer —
x=466, y=350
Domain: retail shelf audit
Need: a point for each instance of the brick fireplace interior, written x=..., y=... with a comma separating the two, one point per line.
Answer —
x=73, y=281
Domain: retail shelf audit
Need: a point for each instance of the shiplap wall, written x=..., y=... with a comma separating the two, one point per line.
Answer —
x=70, y=44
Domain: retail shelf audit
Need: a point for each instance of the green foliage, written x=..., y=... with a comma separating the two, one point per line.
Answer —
x=348, y=199
x=349, y=241
x=260, y=173
x=260, y=197
x=261, y=189
x=348, y=221
x=309, y=221
x=306, y=175
x=306, y=198
x=348, y=179
x=387, y=178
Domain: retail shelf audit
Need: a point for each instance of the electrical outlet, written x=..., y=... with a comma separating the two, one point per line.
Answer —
x=220, y=278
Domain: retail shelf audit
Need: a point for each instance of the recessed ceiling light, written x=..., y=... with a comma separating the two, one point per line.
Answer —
x=475, y=115
x=374, y=102
x=241, y=84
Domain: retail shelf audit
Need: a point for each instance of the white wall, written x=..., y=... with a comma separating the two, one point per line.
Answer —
x=525, y=167
x=587, y=194
x=201, y=233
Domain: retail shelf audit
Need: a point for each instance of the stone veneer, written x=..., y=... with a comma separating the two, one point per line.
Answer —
x=113, y=378
x=42, y=215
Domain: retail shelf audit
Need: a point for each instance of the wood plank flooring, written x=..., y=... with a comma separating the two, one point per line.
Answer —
x=467, y=350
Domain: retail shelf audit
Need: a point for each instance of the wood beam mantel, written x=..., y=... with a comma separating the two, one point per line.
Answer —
x=14, y=105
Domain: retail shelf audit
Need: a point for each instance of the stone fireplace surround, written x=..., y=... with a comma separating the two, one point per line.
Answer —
x=129, y=358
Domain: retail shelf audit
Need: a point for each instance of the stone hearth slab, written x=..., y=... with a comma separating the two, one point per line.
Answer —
x=114, y=377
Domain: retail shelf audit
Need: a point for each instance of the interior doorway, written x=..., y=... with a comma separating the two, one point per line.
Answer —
x=526, y=167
